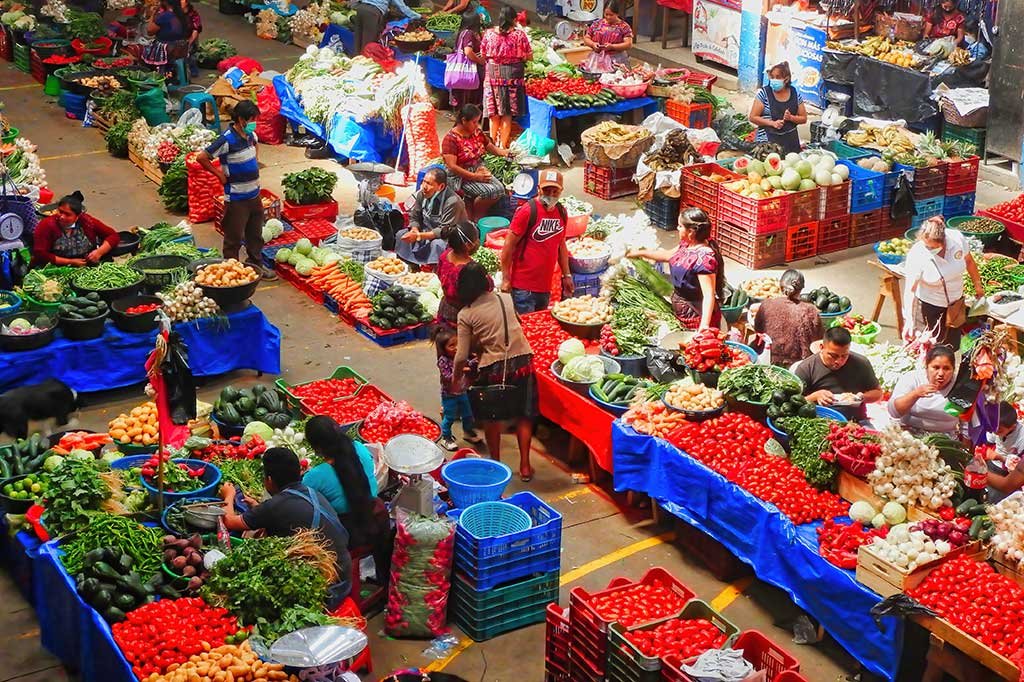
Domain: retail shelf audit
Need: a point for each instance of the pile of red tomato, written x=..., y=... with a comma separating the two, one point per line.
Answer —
x=724, y=443
x=388, y=420
x=540, y=88
x=158, y=635
x=707, y=352
x=141, y=309
x=685, y=638
x=637, y=604
x=544, y=335
x=232, y=449
x=352, y=409
x=317, y=394
x=1012, y=210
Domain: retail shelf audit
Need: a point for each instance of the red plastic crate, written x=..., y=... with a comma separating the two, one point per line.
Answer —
x=801, y=241
x=790, y=676
x=315, y=229
x=962, y=176
x=608, y=183
x=702, y=193
x=765, y=654
x=866, y=228
x=1013, y=229
x=328, y=210
x=929, y=182
x=761, y=215
x=290, y=275
x=695, y=116
x=367, y=389
x=749, y=249
x=892, y=228
x=271, y=208
x=833, y=235
x=804, y=206
x=583, y=670
x=556, y=636
x=835, y=201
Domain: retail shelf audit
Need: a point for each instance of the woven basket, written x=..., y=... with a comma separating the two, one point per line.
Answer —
x=615, y=155
x=975, y=119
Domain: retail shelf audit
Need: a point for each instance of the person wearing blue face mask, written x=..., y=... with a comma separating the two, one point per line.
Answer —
x=975, y=43
x=239, y=172
x=778, y=110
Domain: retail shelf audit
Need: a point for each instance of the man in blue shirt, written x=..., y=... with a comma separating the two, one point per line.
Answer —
x=239, y=172
x=371, y=17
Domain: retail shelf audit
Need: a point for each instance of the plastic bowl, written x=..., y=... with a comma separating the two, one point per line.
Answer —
x=134, y=324
x=111, y=295
x=629, y=91
x=583, y=387
x=832, y=316
x=986, y=238
x=494, y=519
x=31, y=341
x=888, y=258
x=210, y=479
x=82, y=330
x=473, y=479
x=633, y=365
x=696, y=416
x=732, y=315
x=865, y=339
x=489, y=224
x=614, y=408
x=576, y=225
x=10, y=302
x=11, y=505
x=129, y=244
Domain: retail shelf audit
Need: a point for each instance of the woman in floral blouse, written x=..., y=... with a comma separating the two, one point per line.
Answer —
x=947, y=20
x=463, y=150
x=506, y=49
x=610, y=39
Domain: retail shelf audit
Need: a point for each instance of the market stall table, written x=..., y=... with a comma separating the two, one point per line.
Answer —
x=246, y=340
x=780, y=553
x=541, y=116
x=584, y=419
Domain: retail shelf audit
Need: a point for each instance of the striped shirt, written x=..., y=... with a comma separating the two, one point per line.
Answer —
x=237, y=156
x=762, y=97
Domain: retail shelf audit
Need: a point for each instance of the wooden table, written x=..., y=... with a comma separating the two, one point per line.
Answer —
x=954, y=652
x=889, y=286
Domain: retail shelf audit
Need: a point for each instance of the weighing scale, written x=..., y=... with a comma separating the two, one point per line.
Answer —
x=322, y=652
x=524, y=186
x=12, y=225
x=369, y=178
x=414, y=456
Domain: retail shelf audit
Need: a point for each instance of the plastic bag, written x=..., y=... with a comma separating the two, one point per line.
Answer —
x=151, y=104
x=420, y=576
x=203, y=190
x=270, y=124
x=534, y=145
x=420, y=135
x=191, y=116
x=902, y=199
x=899, y=606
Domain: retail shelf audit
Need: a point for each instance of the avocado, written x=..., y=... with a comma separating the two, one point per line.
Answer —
x=92, y=296
x=779, y=397
x=773, y=412
x=808, y=411
x=821, y=302
x=844, y=303
x=833, y=308
x=787, y=410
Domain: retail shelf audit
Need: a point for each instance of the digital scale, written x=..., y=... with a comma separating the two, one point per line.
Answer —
x=413, y=456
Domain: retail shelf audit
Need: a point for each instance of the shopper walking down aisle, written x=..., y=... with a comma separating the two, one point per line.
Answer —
x=170, y=28
x=506, y=50
x=468, y=45
x=371, y=18
x=535, y=243
x=778, y=109
x=239, y=172
x=792, y=325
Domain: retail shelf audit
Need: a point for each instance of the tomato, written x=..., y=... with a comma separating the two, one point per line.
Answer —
x=388, y=420
x=686, y=638
x=637, y=604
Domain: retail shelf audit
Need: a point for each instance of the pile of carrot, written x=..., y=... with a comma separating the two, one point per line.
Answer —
x=343, y=289
x=653, y=418
x=81, y=440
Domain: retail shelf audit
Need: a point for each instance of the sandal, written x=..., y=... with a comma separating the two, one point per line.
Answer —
x=526, y=478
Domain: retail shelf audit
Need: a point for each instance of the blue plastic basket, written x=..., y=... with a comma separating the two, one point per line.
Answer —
x=832, y=316
x=543, y=533
x=494, y=519
x=102, y=659
x=473, y=480
x=10, y=302
x=210, y=477
x=866, y=187
x=822, y=412
x=926, y=208
x=888, y=258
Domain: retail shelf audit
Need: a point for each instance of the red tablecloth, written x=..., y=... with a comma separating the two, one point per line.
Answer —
x=577, y=414
x=683, y=5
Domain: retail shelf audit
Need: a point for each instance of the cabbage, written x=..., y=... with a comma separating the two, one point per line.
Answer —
x=111, y=456
x=862, y=511
x=569, y=349
x=305, y=267
x=19, y=325
x=294, y=257
x=894, y=513
x=8, y=18
x=430, y=302
x=81, y=454
x=304, y=246
x=52, y=462
x=272, y=229
x=283, y=255
x=257, y=429
x=331, y=257
x=317, y=254
x=584, y=368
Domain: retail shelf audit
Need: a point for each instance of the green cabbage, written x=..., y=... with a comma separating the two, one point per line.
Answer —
x=569, y=349
x=430, y=302
x=305, y=267
x=283, y=255
x=304, y=246
x=584, y=368
x=259, y=429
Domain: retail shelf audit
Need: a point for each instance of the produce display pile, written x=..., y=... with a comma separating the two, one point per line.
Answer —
x=569, y=92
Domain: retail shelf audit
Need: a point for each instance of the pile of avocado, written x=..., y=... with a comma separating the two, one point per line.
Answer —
x=86, y=307
x=790, y=402
x=825, y=301
x=397, y=307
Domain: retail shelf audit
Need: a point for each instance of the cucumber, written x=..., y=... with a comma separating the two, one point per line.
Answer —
x=975, y=529
x=964, y=506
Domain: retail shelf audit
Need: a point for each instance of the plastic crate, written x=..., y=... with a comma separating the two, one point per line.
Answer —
x=925, y=209
x=761, y=215
x=865, y=228
x=752, y=250
x=289, y=274
x=790, y=676
x=584, y=285
x=583, y=616
x=962, y=176
x=958, y=205
x=694, y=116
x=927, y=183
x=867, y=188
x=834, y=201
x=699, y=191
x=341, y=372
x=388, y=338
x=663, y=211
x=608, y=183
x=845, y=151
x=804, y=206
x=327, y=210
x=801, y=241
x=485, y=614
x=544, y=534
x=315, y=229
x=583, y=668
x=270, y=249
x=893, y=228
x=974, y=136
x=556, y=637
x=765, y=655
x=833, y=235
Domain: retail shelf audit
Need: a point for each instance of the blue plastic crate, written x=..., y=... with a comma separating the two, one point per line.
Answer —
x=544, y=534
x=102, y=659
x=59, y=609
x=663, y=211
x=587, y=284
x=331, y=304
x=958, y=205
x=926, y=208
x=866, y=188
x=19, y=553
x=390, y=339
x=500, y=572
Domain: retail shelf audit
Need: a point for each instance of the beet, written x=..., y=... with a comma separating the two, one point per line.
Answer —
x=196, y=541
x=179, y=563
x=196, y=559
x=194, y=583
x=169, y=555
x=188, y=571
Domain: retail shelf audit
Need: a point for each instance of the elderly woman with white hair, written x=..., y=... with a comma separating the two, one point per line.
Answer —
x=792, y=325
x=933, y=295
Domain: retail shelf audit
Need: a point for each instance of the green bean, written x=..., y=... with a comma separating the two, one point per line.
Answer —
x=105, y=276
x=444, y=22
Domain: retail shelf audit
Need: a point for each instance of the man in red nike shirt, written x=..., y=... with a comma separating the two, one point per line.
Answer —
x=534, y=245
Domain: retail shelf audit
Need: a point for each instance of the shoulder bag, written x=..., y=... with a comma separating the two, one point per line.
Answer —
x=460, y=72
x=499, y=401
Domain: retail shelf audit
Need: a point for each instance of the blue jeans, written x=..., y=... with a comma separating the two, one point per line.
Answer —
x=454, y=407
x=530, y=301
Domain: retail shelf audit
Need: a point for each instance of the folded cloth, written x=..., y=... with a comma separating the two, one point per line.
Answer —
x=721, y=665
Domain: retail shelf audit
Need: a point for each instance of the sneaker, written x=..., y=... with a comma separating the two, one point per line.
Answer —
x=448, y=444
x=267, y=274
x=473, y=437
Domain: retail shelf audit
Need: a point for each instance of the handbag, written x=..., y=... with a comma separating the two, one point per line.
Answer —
x=500, y=401
x=460, y=73
x=956, y=311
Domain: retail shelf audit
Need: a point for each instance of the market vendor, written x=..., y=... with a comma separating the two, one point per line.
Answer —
x=947, y=20
x=170, y=28
x=778, y=109
x=792, y=325
x=697, y=270
x=919, y=398
x=435, y=209
x=463, y=150
x=292, y=507
x=1009, y=447
x=836, y=371
x=371, y=18
x=977, y=46
x=71, y=236
x=610, y=39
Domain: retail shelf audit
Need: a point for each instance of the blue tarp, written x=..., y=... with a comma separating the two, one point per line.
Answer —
x=780, y=553
x=117, y=359
x=433, y=68
x=18, y=554
x=540, y=114
x=369, y=141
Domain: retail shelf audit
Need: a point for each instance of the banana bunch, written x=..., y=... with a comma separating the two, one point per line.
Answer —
x=960, y=57
x=859, y=138
x=875, y=46
x=842, y=47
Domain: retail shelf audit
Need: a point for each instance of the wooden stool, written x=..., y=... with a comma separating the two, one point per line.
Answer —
x=890, y=286
x=666, y=18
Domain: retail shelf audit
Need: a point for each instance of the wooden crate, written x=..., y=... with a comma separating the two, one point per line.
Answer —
x=888, y=579
x=135, y=156
x=99, y=122
x=304, y=42
x=1009, y=571
x=854, y=489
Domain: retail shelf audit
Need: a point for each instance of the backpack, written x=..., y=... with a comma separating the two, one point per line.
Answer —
x=562, y=213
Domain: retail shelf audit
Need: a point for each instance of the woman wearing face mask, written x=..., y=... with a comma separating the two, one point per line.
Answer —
x=71, y=236
x=933, y=295
x=778, y=110
x=946, y=21
x=919, y=398
x=976, y=44
x=697, y=269
x=463, y=150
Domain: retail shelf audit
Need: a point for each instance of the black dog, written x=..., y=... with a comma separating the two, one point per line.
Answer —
x=50, y=399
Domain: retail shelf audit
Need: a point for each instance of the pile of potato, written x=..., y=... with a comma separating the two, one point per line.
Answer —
x=762, y=287
x=229, y=662
x=694, y=397
x=422, y=280
x=583, y=310
x=389, y=265
x=229, y=273
x=360, y=233
x=138, y=427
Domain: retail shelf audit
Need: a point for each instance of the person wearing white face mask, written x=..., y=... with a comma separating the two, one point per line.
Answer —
x=975, y=43
x=933, y=295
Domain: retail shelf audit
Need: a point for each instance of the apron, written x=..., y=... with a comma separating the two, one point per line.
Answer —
x=337, y=592
x=72, y=243
x=788, y=137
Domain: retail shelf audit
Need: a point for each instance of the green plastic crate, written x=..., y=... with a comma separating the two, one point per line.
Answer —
x=480, y=631
x=339, y=373
x=493, y=603
x=955, y=133
x=845, y=151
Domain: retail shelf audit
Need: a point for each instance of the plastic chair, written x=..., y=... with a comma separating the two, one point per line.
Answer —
x=349, y=609
x=375, y=599
x=199, y=100
x=181, y=72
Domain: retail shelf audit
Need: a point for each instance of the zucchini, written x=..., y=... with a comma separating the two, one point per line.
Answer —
x=113, y=615
x=975, y=529
x=964, y=506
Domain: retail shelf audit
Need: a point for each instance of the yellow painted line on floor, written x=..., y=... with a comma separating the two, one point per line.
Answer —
x=441, y=664
x=618, y=555
x=267, y=287
x=572, y=494
x=19, y=87
x=72, y=156
x=730, y=593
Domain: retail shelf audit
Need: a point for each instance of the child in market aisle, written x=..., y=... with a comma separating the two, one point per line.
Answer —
x=454, y=399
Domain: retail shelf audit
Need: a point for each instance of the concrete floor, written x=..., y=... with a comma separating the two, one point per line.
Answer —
x=602, y=537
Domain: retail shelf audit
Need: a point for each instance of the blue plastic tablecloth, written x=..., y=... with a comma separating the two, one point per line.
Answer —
x=61, y=612
x=118, y=359
x=540, y=114
x=758, y=534
x=433, y=68
x=18, y=554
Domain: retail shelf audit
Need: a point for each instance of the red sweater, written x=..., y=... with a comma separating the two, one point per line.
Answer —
x=48, y=231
